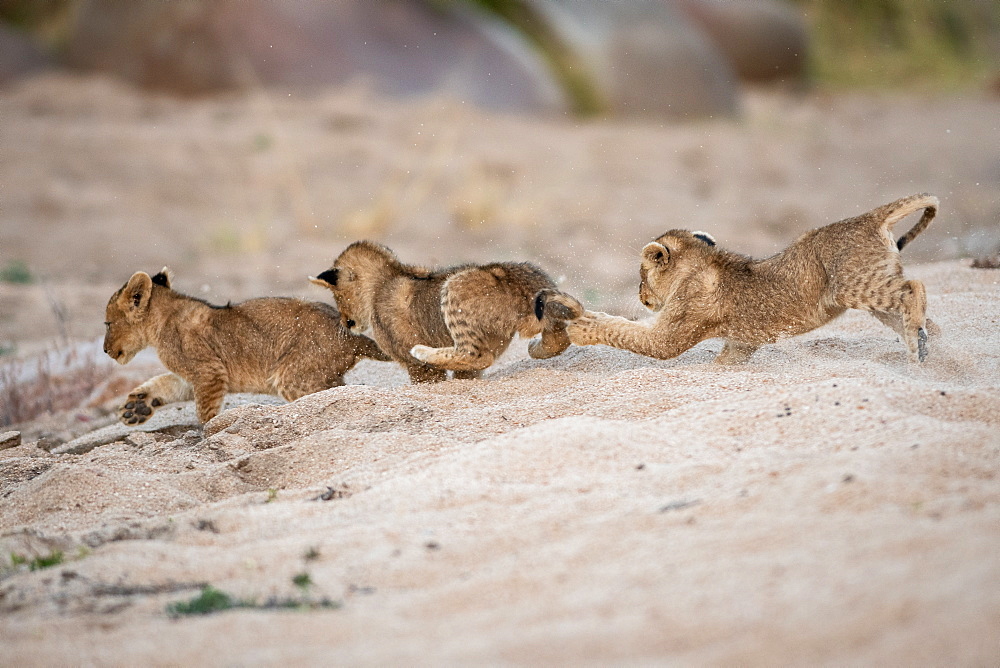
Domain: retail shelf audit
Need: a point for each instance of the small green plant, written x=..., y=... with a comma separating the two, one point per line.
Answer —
x=54, y=558
x=211, y=600
x=208, y=601
x=272, y=495
x=302, y=581
x=16, y=271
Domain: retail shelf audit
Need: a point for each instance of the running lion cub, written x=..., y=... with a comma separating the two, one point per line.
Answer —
x=431, y=321
x=272, y=345
x=701, y=291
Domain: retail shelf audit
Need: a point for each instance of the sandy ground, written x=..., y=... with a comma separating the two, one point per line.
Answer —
x=826, y=503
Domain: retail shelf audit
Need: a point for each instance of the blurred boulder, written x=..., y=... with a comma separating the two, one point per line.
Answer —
x=19, y=55
x=624, y=58
x=644, y=57
x=763, y=40
x=402, y=47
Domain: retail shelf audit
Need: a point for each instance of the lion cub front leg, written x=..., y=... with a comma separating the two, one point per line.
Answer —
x=659, y=340
x=735, y=352
x=158, y=391
x=210, y=386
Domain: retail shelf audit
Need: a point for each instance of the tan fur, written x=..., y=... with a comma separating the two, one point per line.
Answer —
x=281, y=346
x=430, y=321
x=701, y=291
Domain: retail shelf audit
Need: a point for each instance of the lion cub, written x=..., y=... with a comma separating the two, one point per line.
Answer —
x=430, y=321
x=701, y=291
x=276, y=345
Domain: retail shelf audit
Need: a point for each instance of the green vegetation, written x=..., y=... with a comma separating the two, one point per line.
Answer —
x=302, y=581
x=211, y=600
x=54, y=558
x=16, y=271
x=901, y=43
x=208, y=601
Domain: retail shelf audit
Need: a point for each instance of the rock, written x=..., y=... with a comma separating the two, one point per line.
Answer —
x=174, y=420
x=10, y=439
x=19, y=56
x=763, y=40
x=402, y=47
x=645, y=59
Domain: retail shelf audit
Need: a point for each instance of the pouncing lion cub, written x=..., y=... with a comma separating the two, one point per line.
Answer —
x=431, y=321
x=701, y=291
x=271, y=345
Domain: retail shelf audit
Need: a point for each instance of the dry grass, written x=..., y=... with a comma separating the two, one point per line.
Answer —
x=60, y=379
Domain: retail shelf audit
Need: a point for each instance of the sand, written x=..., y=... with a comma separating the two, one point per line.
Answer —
x=825, y=503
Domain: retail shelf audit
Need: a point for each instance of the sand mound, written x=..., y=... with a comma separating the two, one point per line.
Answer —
x=825, y=503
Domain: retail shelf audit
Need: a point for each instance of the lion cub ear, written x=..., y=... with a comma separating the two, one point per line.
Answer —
x=704, y=236
x=327, y=279
x=135, y=297
x=162, y=278
x=656, y=253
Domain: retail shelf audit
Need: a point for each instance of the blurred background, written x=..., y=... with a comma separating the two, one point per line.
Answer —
x=244, y=143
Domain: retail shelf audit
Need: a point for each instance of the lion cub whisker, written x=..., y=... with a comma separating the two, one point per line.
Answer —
x=272, y=345
x=700, y=291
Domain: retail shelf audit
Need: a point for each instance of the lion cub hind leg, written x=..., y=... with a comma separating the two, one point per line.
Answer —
x=906, y=315
x=481, y=316
x=158, y=391
x=466, y=359
x=914, y=308
x=735, y=352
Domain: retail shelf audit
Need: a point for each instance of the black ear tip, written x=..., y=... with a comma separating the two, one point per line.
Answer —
x=330, y=276
x=161, y=278
x=704, y=236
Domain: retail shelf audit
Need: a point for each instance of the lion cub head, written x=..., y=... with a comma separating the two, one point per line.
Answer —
x=668, y=261
x=353, y=278
x=127, y=318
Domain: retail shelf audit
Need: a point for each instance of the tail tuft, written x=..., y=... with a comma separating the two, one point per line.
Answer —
x=557, y=305
x=904, y=207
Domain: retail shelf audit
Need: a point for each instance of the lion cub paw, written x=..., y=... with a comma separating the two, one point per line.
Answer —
x=422, y=353
x=138, y=408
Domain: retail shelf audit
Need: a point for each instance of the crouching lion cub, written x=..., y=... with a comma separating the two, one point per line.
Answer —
x=701, y=291
x=273, y=345
x=430, y=321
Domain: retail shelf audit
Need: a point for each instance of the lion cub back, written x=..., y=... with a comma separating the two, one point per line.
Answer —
x=262, y=337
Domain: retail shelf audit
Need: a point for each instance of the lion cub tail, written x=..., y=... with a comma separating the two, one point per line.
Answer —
x=557, y=305
x=893, y=213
